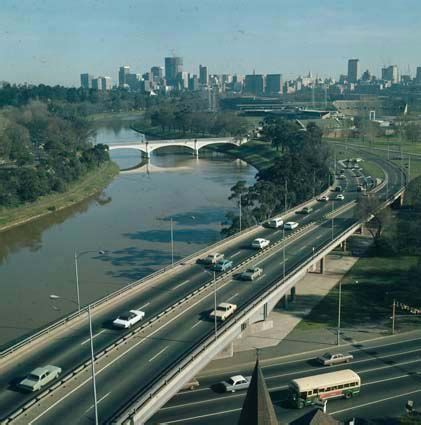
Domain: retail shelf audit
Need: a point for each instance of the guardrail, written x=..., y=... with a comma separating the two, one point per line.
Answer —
x=72, y=316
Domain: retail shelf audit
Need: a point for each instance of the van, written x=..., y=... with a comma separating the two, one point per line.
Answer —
x=191, y=385
x=275, y=222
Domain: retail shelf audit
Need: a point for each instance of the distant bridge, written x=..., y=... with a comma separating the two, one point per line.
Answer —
x=147, y=147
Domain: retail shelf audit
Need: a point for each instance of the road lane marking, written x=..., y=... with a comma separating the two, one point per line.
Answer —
x=99, y=401
x=87, y=340
x=157, y=354
x=233, y=296
x=204, y=416
x=197, y=324
x=181, y=284
x=143, y=306
x=374, y=402
x=234, y=255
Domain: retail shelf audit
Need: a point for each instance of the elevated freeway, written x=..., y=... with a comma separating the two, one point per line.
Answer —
x=132, y=365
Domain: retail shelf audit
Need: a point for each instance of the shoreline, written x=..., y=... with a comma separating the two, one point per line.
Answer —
x=80, y=190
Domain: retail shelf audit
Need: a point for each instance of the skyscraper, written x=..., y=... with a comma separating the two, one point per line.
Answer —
x=86, y=81
x=173, y=66
x=105, y=83
x=391, y=73
x=157, y=73
x=418, y=76
x=353, y=70
x=203, y=75
x=254, y=84
x=122, y=75
x=273, y=84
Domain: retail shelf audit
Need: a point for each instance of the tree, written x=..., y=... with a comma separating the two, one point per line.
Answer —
x=375, y=216
x=413, y=132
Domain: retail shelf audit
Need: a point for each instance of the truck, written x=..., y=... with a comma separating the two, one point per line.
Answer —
x=223, y=311
x=329, y=359
x=237, y=382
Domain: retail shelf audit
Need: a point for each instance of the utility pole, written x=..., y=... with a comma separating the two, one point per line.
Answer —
x=314, y=183
x=172, y=243
x=93, y=366
x=77, y=282
x=338, y=336
x=393, y=316
x=241, y=214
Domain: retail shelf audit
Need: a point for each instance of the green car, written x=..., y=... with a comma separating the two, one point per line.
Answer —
x=39, y=377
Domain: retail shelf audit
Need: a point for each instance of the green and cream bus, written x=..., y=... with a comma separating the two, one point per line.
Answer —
x=307, y=391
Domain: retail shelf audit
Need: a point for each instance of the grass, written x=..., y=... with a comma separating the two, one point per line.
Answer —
x=256, y=152
x=107, y=116
x=87, y=186
x=381, y=278
x=372, y=169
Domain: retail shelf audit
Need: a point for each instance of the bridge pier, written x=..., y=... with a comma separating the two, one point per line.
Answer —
x=398, y=202
x=293, y=294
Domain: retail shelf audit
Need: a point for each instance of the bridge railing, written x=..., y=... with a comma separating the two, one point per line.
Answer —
x=75, y=315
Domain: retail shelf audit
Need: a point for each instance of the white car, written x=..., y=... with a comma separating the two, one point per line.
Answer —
x=213, y=258
x=223, y=311
x=290, y=225
x=260, y=243
x=128, y=319
x=251, y=273
x=324, y=198
x=39, y=377
x=340, y=197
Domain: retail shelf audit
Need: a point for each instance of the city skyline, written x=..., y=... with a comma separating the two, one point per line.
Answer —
x=53, y=43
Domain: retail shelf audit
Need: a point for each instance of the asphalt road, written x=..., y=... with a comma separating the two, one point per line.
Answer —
x=139, y=366
x=389, y=370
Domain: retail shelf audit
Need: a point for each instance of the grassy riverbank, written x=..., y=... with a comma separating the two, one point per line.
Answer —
x=79, y=190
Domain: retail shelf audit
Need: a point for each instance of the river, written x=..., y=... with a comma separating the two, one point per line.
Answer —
x=129, y=221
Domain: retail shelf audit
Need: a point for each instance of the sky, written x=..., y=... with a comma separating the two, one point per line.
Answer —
x=54, y=41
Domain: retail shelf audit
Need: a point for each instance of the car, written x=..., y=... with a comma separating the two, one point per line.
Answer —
x=290, y=225
x=305, y=210
x=212, y=258
x=260, y=243
x=128, y=319
x=340, y=197
x=236, y=382
x=39, y=377
x=329, y=359
x=338, y=189
x=251, y=273
x=342, y=177
x=323, y=198
x=222, y=265
x=275, y=222
x=360, y=188
x=223, y=311
x=191, y=385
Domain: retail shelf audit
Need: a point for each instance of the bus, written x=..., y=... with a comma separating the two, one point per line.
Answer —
x=307, y=391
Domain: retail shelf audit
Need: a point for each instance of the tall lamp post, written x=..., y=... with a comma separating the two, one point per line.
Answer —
x=57, y=297
x=338, y=335
x=214, y=301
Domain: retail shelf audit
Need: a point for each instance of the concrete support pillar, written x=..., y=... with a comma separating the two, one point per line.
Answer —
x=285, y=301
x=343, y=245
x=293, y=292
x=322, y=265
x=265, y=311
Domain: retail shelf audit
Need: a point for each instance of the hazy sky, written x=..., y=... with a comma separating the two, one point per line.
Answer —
x=53, y=41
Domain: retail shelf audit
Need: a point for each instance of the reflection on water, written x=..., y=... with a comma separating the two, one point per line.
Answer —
x=130, y=221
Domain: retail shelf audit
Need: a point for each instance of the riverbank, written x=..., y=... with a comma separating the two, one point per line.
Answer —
x=87, y=186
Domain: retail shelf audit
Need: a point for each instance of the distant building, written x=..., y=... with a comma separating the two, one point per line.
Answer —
x=157, y=73
x=391, y=73
x=86, y=81
x=182, y=80
x=194, y=83
x=366, y=76
x=353, y=70
x=254, y=84
x=173, y=66
x=133, y=81
x=418, y=75
x=273, y=84
x=203, y=75
x=96, y=84
x=106, y=83
x=122, y=75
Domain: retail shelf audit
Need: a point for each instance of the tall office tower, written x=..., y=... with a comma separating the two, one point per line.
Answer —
x=122, y=75
x=182, y=80
x=86, y=81
x=203, y=75
x=173, y=66
x=391, y=73
x=418, y=76
x=133, y=81
x=273, y=84
x=157, y=73
x=104, y=83
x=353, y=70
x=96, y=83
x=194, y=83
x=254, y=84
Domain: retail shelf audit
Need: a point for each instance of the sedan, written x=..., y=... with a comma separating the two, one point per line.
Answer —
x=39, y=377
x=251, y=274
x=260, y=243
x=290, y=225
x=128, y=319
x=222, y=265
x=340, y=197
x=324, y=198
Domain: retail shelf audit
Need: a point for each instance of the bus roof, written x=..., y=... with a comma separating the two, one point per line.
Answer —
x=326, y=379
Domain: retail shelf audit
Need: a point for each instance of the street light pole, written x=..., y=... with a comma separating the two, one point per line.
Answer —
x=77, y=282
x=338, y=336
x=93, y=366
x=333, y=211
x=214, y=300
x=172, y=243
x=241, y=214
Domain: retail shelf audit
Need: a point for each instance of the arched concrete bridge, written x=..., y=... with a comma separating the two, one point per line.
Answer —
x=147, y=147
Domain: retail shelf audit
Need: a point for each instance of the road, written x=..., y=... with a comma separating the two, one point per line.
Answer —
x=150, y=356
x=389, y=370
